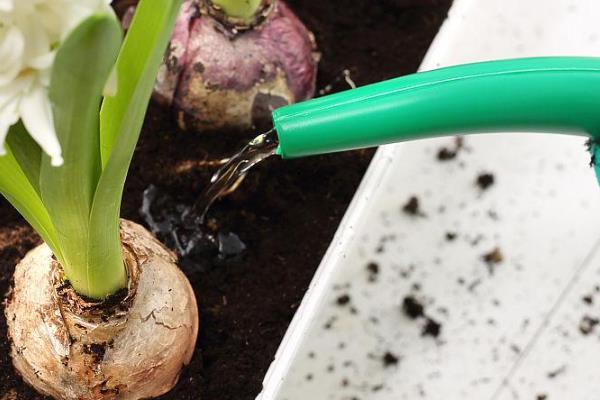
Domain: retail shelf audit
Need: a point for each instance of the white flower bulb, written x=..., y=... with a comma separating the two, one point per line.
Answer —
x=29, y=32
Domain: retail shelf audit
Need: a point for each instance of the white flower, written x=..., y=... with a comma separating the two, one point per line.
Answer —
x=30, y=31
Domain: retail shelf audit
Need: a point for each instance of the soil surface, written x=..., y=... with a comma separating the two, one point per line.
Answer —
x=285, y=212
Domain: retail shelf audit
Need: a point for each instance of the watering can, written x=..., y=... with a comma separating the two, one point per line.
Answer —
x=549, y=94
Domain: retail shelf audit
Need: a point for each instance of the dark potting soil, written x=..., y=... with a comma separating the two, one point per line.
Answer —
x=285, y=213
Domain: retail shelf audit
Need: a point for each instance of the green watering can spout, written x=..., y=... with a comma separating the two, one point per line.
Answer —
x=550, y=94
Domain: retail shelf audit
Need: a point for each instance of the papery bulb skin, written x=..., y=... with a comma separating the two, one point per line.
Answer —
x=134, y=348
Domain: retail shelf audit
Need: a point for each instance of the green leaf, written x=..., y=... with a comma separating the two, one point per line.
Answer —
x=137, y=67
x=81, y=68
x=15, y=186
x=27, y=153
x=121, y=120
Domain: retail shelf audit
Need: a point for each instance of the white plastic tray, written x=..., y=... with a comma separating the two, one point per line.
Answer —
x=511, y=334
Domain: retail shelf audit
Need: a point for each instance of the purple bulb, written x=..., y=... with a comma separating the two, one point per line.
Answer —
x=218, y=77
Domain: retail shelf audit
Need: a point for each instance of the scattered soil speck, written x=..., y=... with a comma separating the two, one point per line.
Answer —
x=588, y=324
x=485, y=180
x=493, y=215
x=475, y=241
x=343, y=300
x=390, y=359
x=541, y=397
x=412, y=307
x=588, y=299
x=493, y=258
x=592, y=146
x=413, y=207
x=377, y=388
x=473, y=285
x=556, y=372
x=447, y=153
x=373, y=270
x=432, y=328
x=329, y=323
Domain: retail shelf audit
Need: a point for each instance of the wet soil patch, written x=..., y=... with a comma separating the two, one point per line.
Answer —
x=285, y=213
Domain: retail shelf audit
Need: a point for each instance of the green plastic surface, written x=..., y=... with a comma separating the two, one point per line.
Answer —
x=551, y=94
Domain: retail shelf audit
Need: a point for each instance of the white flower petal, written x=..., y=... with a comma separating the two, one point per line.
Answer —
x=6, y=5
x=12, y=92
x=38, y=42
x=36, y=114
x=8, y=116
x=43, y=61
x=53, y=15
x=77, y=10
x=9, y=102
x=30, y=31
x=12, y=44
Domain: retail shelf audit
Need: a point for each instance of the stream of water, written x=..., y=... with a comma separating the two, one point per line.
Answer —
x=229, y=176
x=184, y=228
